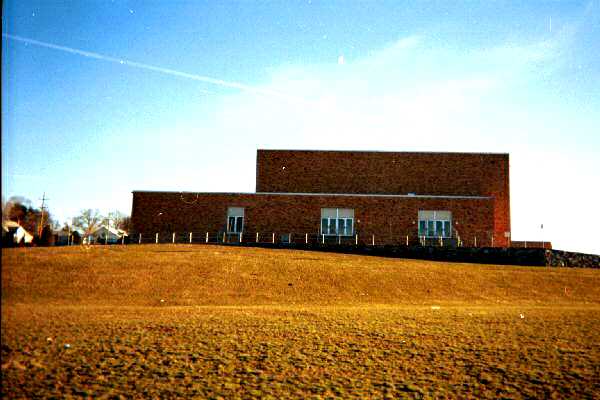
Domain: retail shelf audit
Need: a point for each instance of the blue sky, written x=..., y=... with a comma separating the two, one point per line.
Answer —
x=100, y=98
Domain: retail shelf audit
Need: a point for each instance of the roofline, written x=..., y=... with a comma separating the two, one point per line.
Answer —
x=376, y=195
x=384, y=151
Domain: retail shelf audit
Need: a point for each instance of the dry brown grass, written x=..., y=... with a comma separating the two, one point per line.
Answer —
x=242, y=323
x=216, y=275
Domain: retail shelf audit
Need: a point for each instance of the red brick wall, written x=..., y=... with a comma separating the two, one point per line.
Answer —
x=267, y=213
x=465, y=174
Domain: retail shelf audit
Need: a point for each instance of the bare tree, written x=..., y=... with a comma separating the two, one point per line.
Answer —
x=116, y=218
x=71, y=230
x=119, y=220
x=89, y=220
x=68, y=226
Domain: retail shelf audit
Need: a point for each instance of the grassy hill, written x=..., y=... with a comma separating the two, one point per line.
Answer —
x=89, y=322
x=217, y=275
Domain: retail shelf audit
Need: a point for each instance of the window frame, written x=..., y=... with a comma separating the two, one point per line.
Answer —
x=432, y=224
x=237, y=220
x=333, y=224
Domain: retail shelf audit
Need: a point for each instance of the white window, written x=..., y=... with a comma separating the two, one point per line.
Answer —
x=337, y=221
x=235, y=219
x=435, y=224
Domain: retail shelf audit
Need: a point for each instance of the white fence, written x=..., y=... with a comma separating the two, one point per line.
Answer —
x=482, y=240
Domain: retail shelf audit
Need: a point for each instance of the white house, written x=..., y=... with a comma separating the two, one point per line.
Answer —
x=105, y=234
x=19, y=234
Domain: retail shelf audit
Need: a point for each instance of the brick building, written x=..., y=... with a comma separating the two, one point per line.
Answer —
x=349, y=196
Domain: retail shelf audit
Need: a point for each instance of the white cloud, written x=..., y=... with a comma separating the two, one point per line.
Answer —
x=388, y=98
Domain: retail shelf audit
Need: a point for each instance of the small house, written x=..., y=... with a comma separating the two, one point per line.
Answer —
x=105, y=235
x=15, y=234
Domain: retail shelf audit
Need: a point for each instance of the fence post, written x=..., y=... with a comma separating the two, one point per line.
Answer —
x=356, y=240
x=173, y=237
x=256, y=237
x=373, y=240
x=190, y=237
x=224, y=237
x=406, y=240
x=140, y=239
x=323, y=238
x=240, y=237
x=273, y=237
x=475, y=241
x=339, y=239
x=306, y=238
x=441, y=241
x=206, y=237
x=156, y=237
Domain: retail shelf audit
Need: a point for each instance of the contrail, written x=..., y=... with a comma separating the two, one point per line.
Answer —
x=167, y=71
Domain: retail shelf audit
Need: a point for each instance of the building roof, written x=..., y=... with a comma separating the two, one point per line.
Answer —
x=408, y=195
x=6, y=225
x=383, y=151
x=114, y=231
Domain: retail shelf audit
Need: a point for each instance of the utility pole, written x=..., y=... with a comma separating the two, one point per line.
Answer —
x=542, y=230
x=41, y=227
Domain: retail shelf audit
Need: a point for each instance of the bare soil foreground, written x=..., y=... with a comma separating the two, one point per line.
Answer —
x=211, y=322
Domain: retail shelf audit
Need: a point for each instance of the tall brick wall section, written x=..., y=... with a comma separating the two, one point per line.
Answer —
x=267, y=213
x=463, y=174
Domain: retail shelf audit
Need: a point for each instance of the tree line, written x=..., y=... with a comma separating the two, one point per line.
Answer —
x=43, y=226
